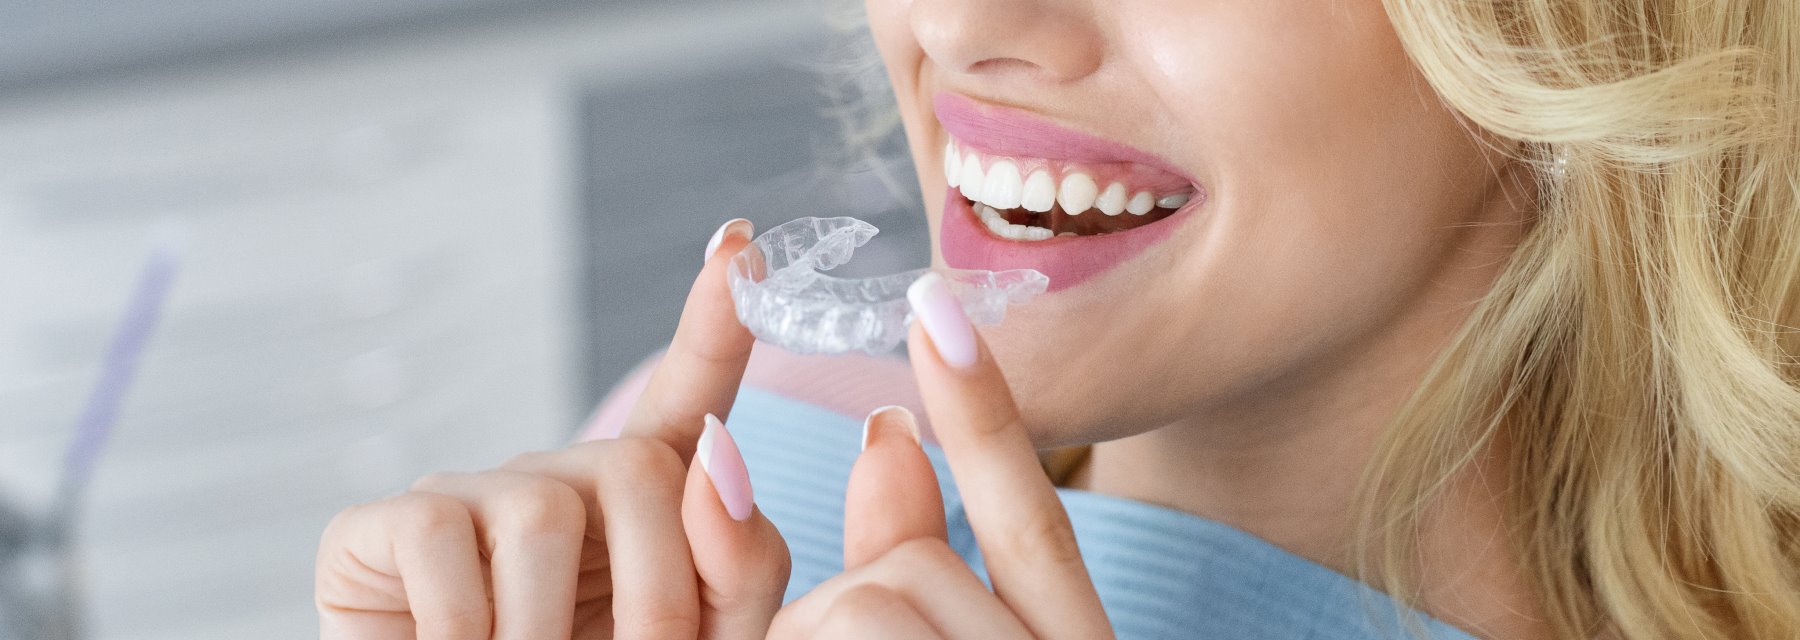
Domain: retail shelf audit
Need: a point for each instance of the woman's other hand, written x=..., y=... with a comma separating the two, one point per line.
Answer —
x=902, y=579
x=649, y=535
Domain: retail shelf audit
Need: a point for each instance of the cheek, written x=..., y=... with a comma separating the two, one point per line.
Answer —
x=1334, y=170
x=1336, y=180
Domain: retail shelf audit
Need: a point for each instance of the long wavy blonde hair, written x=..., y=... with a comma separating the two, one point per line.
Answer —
x=1637, y=365
x=1638, y=362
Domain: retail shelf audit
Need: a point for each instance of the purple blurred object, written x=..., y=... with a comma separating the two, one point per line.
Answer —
x=39, y=569
x=102, y=409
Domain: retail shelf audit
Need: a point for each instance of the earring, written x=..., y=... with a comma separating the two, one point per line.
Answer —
x=1559, y=162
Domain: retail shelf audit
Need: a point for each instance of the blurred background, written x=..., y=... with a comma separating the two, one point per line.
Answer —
x=405, y=236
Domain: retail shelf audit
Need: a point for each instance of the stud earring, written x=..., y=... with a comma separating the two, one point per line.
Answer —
x=1559, y=162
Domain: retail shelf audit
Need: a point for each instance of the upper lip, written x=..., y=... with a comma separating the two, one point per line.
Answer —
x=1010, y=131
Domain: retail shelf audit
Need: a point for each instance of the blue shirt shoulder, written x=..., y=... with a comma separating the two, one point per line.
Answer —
x=1160, y=573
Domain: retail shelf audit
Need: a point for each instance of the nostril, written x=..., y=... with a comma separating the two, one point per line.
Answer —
x=1050, y=43
x=1003, y=65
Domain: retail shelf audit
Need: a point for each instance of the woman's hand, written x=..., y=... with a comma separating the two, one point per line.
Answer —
x=615, y=537
x=902, y=580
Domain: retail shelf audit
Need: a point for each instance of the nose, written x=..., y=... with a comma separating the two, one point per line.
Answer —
x=1047, y=41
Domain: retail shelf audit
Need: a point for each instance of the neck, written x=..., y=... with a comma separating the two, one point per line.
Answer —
x=1285, y=468
x=1285, y=476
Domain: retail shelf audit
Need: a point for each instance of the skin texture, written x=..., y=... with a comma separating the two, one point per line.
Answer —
x=1352, y=223
x=623, y=537
x=617, y=539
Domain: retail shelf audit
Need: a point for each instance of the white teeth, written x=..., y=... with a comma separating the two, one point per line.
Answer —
x=971, y=177
x=1000, y=189
x=952, y=165
x=1140, y=203
x=1000, y=186
x=1077, y=193
x=1000, y=227
x=1040, y=192
x=1111, y=201
x=992, y=219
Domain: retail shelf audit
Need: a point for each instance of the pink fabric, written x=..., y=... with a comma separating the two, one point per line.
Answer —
x=852, y=385
x=609, y=418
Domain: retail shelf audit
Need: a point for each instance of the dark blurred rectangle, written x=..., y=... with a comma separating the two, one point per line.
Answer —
x=48, y=41
x=668, y=159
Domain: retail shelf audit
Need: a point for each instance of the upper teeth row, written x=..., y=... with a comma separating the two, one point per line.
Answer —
x=1001, y=187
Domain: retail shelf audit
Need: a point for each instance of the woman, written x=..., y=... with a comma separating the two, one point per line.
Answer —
x=1491, y=305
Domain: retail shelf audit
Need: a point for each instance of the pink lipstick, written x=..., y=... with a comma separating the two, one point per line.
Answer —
x=1021, y=138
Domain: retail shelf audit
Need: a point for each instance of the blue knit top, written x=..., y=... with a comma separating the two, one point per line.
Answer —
x=1160, y=573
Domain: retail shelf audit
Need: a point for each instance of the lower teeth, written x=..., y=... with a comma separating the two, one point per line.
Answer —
x=1000, y=227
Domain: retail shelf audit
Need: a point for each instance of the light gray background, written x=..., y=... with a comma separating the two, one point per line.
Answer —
x=421, y=235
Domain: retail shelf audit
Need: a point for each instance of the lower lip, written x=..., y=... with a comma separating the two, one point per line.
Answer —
x=1068, y=261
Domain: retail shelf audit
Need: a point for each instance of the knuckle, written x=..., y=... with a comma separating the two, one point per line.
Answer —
x=345, y=519
x=761, y=578
x=525, y=461
x=536, y=504
x=930, y=554
x=858, y=605
x=1044, y=537
x=991, y=429
x=647, y=461
x=785, y=624
x=434, y=481
x=334, y=541
x=422, y=515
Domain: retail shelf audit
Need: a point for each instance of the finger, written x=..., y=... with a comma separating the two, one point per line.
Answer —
x=1026, y=541
x=705, y=362
x=893, y=492
x=741, y=559
x=632, y=492
x=871, y=611
x=532, y=528
x=932, y=579
x=402, y=567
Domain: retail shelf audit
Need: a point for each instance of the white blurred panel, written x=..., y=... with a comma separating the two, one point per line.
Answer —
x=377, y=284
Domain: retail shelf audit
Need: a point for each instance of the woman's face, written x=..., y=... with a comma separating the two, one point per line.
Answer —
x=1309, y=209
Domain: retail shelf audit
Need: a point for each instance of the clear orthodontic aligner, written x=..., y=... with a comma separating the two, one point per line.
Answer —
x=784, y=297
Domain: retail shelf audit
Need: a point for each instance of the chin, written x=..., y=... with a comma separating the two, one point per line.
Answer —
x=1055, y=389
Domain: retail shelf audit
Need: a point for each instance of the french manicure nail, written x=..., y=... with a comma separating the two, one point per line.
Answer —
x=734, y=227
x=719, y=457
x=940, y=312
x=887, y=417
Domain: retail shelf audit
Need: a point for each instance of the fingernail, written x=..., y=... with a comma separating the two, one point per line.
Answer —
x=723, y=464
x=887, y=417
x=734, y=227
x=937, y=309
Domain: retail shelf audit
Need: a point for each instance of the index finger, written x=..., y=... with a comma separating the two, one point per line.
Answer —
x=1025, y=537
x=705, y=362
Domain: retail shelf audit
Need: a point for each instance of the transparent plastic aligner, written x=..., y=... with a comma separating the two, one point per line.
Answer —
x=784, y=297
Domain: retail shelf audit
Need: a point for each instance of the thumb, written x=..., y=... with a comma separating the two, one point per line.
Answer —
x=741, y=559
x=893, y=494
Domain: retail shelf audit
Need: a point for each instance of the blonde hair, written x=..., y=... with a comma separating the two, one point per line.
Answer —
x=1638, y=362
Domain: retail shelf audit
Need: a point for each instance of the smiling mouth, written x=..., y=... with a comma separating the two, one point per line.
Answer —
x=1036, y=199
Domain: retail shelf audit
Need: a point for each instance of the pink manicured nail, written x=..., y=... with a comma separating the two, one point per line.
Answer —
x=889, y=417
x=733, y=227
x=719, y=456
x=937, y=308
